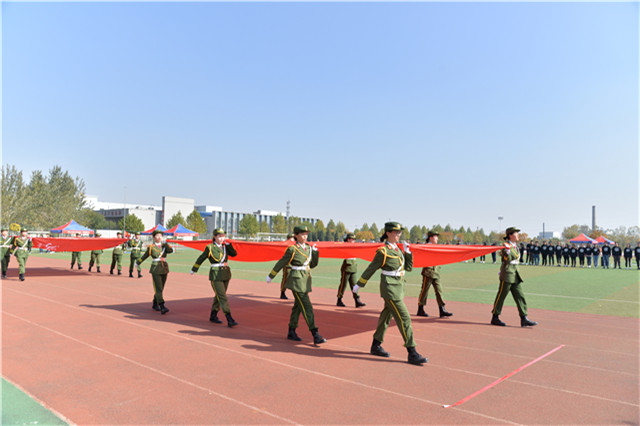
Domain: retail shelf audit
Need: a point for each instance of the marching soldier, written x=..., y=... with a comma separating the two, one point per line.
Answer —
x=285, y=274
x=159, y=268
x=76, y=256
x=218, y=253
x=300, y=258
x=95, y=257
x=135, y=244
x=394, y=263
x=431, y=277
x=116, y=256
x=6, y=242
x=22, y=246
x=348, y=272
x=510, y=281
x=628, y=253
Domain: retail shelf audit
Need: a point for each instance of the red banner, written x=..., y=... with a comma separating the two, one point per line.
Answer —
x=423, y=254
x=76, y=244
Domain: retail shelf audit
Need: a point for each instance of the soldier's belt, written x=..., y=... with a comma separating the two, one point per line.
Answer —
x=160, y=259
x=299, y=268
x=514, y=262
x=218, y=265
x=392, y=273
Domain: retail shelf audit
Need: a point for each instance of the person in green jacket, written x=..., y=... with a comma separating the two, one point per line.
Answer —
x=76, y=256
x=159, y=268
x=510, y=280
x=431, y=277
x=6, y=242
x=116, y=256
x=394, y=263
x=300, y=258
x=135, y=244
x=285, y=274
x=22, y=246
x=218, y=253
x=95, y=257
x=348, y=272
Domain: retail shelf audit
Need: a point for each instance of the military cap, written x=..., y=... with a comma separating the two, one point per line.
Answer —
x=218, y=231
x=289, y=235
x=511, y=230
x=432, y=234
x=300, y=229
x=349, y=235
x=392, y=226
x=138, y=233
x=24, y=230
x=3, y=229
x=155, y=231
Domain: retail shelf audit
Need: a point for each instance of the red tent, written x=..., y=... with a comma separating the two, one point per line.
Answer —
x=181, y=231
x=72, y=227
x=150, y=231
x=582, y=239
x=602, y=240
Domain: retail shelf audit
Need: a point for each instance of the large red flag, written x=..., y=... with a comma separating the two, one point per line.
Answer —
x=76, y=244
x=423, y=254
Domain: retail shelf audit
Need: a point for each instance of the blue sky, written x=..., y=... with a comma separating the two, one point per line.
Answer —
x=362, y=112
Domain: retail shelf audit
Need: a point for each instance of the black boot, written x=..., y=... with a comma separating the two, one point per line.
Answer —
x=376, y=349
x=214, y=317
x=230, y=321
x=139, y=274
x=415, y=358
x=340, y=302
x=496, y=321
x=155, y=306
x=4, y=275
x=444, y=313
x=317, y=338
x=72, y=266
x=292, y=335
x=525, y=322
x=359, y=304
x=21, y=277
x=130, y=274
x=98, y=269
x=90, y=266
x=119, y=272
x=79, y=268
x=111, y=271
x=163, y=309
x=421, y=312
x=283, y=296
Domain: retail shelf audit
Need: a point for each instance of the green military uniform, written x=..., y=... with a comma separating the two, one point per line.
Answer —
x=116, y=256
x=300, y=259
x=285, y=274
x=394, y=263
x=219, y=275
x=431, y=278
x=76, y=256
x=21, y=249
x=136, y=251
x=158, y=270
x=95, y=257
x=510, y=281
x=348, y=272
x=6, y=243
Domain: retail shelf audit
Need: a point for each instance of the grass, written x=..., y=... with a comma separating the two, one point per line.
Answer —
x=599, y=291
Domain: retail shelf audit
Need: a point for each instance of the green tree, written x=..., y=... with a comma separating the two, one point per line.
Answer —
x=374, y=230
x=196, y=223
x=330, y=233
x=133, y=224
x=364, y=235
x=319, y=231
x=292, y=222
x=175, y=220
x=264, y=226
x=405, y=235
x=571, y=232
x=340, y=231
x=93, y=220
x=248, y=225
x=279, y=224
x=415, y=234
x=12, y=192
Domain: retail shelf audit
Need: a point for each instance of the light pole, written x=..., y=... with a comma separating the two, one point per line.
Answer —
x=500, y=222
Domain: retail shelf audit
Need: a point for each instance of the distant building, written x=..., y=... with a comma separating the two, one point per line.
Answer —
x=549, y=235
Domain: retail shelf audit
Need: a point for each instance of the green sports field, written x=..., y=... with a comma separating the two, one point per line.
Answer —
x=596, y=291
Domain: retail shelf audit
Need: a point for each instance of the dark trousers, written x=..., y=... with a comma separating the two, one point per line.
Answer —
x=581, y=260
x=302, y=305
x=518, y=297
x=5, y=263
x=616, y=262
x=627, y=262
x=220, y=299
x=544, y=259
x=573, y=261
x=346, y=277
x=159, y=281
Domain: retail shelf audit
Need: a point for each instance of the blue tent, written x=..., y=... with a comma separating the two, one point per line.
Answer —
x=72, y=227
x=180, y=230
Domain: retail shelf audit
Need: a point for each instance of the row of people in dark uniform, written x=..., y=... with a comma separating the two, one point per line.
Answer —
x=570, y=255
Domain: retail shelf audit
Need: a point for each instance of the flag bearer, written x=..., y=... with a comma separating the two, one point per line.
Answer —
x=116, y=256
x=95, y=257
x=159, y=268
x=431, y=277
x=348, y=272
x=135, y=244
x=6, y=242
x=285, y=274
x=22, y=245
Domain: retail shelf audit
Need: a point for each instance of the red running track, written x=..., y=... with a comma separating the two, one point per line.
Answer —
x=88, y=346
